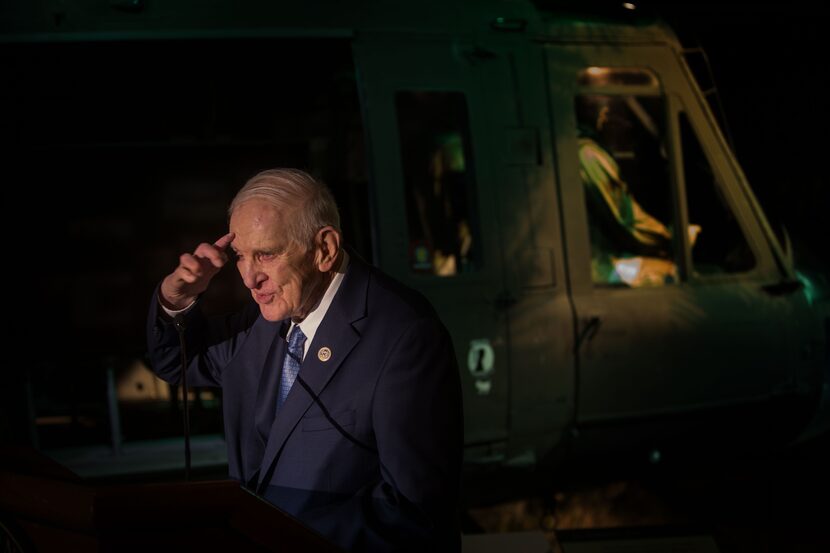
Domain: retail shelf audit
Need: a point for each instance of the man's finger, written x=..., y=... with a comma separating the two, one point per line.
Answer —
x=223, y=242
x=217, y=257
x=189, y=262
x=211, y=255
x=188, y=277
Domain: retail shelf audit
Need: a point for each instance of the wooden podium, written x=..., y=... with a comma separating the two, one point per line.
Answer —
x=44, y=507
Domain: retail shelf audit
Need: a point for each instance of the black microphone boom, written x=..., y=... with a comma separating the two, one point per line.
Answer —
x=179, y=323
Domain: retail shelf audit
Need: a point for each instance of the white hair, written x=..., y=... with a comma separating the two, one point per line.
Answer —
x=307, y=203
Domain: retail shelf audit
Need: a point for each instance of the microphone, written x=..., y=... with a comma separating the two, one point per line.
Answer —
x=179, y=323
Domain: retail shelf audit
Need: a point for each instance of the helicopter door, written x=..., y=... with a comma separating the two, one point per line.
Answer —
x=668, y=262
x=435, y=225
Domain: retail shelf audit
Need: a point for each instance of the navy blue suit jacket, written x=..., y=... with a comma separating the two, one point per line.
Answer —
x=388, y=477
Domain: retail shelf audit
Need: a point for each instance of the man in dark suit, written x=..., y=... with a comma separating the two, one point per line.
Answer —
x=341, y=392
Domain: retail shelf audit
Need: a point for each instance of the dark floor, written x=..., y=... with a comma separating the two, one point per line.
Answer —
x=772, y=503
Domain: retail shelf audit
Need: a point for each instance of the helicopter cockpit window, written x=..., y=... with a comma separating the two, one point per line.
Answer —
x=439, y=181
x=623, y=163
x=721, y=246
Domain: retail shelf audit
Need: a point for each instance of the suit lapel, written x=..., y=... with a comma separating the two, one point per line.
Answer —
x=269, y=380
x=337, y=333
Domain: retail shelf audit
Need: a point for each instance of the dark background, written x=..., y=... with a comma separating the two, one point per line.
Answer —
x=770, y=73
x=769, y=63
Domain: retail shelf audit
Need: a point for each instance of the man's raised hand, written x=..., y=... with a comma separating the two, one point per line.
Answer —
x=180, y=288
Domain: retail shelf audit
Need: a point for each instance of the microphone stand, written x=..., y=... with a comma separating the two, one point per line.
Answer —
x=178, y=321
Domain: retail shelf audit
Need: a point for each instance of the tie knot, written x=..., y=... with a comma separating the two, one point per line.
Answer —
x=296, y=339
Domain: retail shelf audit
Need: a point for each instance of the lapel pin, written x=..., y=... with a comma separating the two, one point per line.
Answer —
x=324, y=354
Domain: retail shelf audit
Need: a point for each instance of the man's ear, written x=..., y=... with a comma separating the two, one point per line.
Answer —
x=327, y=243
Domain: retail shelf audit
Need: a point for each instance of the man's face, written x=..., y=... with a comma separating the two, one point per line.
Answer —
x=282, y=277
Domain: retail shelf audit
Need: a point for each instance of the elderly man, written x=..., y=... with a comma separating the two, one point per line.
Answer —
x=341, y=391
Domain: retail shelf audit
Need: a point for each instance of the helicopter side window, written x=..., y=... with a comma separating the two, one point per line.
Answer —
x=721, y=246
x=439, y=181
x=623, y=163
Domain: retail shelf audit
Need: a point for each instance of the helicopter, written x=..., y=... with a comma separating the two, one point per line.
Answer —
x=555, y=183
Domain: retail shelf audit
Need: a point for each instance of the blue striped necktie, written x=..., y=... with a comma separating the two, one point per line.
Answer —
x=291, y=365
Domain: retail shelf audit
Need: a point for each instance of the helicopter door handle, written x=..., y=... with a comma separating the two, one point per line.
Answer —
x=588, y=331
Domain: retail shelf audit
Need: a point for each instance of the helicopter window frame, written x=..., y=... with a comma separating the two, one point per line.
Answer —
x=724, y=193
x=441, y=191
x=647, y=270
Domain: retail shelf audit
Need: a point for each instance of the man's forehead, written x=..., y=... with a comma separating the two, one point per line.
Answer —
x=256, y=224
x=259, y=241
x=256, y=211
